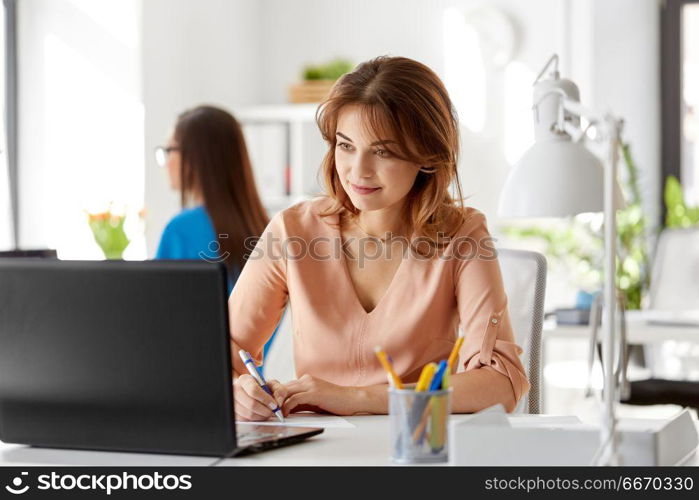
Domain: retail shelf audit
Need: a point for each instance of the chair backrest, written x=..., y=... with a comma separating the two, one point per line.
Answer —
x=524, y=277
x=279, y=360
x=674, y=282
x=674, y=286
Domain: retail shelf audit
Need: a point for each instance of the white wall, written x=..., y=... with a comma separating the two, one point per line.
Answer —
x=626, y=80
x=194, y=52
x=246, y=52
x=610, y=48
x=302, y=32
x=323, y=29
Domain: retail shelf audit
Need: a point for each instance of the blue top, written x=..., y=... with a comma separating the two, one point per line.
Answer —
x=190, y=235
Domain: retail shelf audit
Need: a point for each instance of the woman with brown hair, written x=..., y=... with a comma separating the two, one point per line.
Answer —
x=207, y=162
x=387, y=257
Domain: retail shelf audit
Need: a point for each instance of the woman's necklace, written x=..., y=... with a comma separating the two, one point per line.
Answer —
x=382, y=240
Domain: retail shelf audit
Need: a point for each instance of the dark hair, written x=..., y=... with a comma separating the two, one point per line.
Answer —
x=406, y=101
x=215, y=163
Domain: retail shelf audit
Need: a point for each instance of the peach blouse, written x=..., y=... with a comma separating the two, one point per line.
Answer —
x=299, y=258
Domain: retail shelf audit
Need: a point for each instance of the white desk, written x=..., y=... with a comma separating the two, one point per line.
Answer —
x=638, y=331
x=365, y=444
x=567, y=346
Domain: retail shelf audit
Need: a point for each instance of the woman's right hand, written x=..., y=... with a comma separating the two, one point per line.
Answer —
x=252, y=403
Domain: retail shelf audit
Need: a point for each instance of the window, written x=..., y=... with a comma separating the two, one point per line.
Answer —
x=81, y=127
x=6, y=226
x=689, y=103
x=680, y=95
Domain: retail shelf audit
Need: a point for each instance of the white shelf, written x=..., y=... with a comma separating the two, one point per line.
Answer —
x=278, y=113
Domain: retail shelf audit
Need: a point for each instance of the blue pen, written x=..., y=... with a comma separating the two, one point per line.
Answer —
x=435, y=425
x=438, y=375
x=252, y=369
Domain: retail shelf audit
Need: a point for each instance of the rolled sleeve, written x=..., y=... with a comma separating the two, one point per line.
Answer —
x=483, y=313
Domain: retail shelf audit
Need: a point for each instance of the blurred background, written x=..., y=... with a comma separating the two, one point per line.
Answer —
x=99, y=85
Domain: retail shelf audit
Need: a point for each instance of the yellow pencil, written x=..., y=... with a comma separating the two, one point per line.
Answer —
x=426, y=377
x=420, y=428
x=383, y=359
x=445, y=380
x=438, y=423
x=455, y=352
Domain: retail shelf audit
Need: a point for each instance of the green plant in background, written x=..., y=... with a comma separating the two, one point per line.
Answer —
x=578, y=244
x=108, y=230
x=678, y=213
x=633, y=272
x=571, y=244
x=329, y=71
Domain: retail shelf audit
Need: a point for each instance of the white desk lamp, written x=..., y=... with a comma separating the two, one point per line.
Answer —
x=559, y=177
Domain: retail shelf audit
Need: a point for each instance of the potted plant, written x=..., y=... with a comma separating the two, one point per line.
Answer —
x=318, y=80
x=108, y=230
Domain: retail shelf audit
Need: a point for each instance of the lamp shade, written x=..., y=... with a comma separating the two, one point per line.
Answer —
x=555, y=178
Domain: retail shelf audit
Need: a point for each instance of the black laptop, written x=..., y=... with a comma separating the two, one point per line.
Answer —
x=127, y=356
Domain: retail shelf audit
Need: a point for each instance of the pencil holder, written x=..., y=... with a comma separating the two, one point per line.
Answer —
x=419, y=424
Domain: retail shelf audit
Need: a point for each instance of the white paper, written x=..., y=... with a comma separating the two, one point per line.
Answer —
x=304, y=419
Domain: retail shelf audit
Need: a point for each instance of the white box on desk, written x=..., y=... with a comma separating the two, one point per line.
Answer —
x=495, y=438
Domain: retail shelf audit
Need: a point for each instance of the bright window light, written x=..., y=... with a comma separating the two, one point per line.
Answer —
x=114, y=18
x=94, y=146
x=87, y=109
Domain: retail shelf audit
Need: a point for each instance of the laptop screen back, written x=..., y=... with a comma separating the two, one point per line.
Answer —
x=129, y=356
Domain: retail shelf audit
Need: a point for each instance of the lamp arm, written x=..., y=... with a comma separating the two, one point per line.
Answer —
x=552, y=59
x=609, y=455
x=609, y=124
x=573, y=107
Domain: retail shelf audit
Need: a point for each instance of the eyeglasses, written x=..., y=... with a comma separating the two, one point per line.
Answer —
x=162, y=152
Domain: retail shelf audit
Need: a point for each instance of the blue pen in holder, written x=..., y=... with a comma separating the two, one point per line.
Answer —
x=419, y=424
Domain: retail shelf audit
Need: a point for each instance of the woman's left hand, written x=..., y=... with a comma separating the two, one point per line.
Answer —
x=313, y=394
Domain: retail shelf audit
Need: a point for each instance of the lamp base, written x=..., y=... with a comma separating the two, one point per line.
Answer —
x=495, y=438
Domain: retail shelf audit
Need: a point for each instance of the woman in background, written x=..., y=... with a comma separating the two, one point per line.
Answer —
x=207, y=162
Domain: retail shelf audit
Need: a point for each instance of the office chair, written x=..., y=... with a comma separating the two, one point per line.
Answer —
x=279, y=361
x=524, y=277
x=675, y=276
